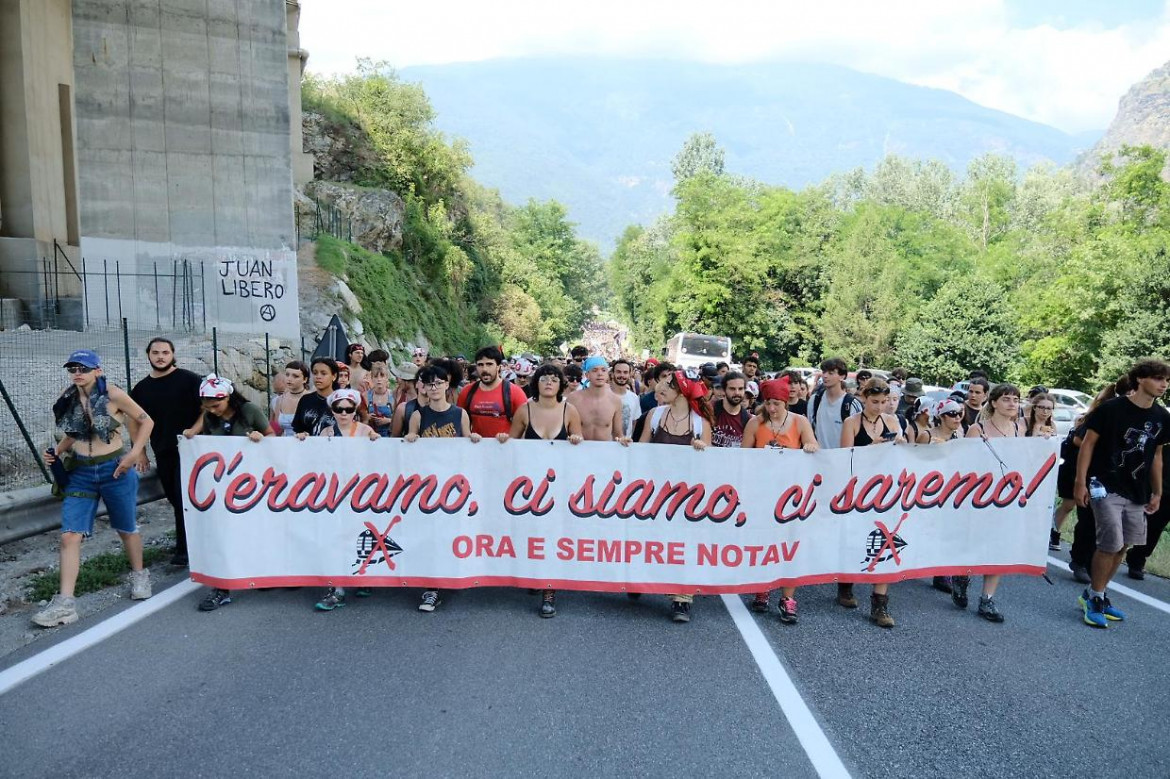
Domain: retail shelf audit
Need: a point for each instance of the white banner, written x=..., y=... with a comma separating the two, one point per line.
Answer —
x=598, y=516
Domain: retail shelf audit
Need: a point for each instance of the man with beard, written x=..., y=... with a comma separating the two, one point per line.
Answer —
x=751, y=367
x=621, y=372
x=731, y=415
x=490, y=401
x=600, y=409
x=170, y=396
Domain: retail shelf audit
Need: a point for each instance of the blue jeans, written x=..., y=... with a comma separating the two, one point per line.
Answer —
x=87, y=483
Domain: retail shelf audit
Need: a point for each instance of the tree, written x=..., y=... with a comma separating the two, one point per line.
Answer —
x=699, y=154
x=967, y=325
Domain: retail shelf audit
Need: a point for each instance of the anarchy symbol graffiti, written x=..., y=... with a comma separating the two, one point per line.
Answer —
x=268, y=312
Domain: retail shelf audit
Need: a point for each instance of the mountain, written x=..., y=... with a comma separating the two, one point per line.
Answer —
x=599, y=134
x=1143, y=117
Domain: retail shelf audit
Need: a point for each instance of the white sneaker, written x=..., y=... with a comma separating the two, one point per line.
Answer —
x=140, y=585
x=59, y=611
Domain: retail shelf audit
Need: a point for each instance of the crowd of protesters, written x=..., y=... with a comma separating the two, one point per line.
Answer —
x=1111, y=470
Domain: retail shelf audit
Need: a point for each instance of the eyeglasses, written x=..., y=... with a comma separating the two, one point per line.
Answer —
x=549, y=377
x=343, y=409
x=75, y=369
x=434, y=385
x=1045, y=408
x=952, y=414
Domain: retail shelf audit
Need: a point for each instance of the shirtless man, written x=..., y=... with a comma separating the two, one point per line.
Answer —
x=600, y=409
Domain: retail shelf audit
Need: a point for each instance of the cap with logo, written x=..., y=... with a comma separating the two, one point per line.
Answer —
x=84, y=357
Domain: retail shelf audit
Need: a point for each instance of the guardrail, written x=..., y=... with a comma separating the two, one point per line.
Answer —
x=31, y=511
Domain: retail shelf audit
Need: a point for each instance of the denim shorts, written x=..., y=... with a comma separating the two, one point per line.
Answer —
x=87, y=483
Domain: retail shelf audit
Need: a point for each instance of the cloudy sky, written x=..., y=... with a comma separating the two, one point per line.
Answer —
x=1061, y=62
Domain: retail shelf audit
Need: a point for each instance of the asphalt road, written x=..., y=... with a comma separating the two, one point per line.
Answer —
x=266, y=686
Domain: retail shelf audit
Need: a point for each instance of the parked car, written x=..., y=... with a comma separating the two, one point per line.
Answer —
x=1066, y=398
x=1063, y=418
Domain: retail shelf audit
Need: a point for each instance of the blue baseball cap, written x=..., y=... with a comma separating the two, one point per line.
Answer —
x=86, y=357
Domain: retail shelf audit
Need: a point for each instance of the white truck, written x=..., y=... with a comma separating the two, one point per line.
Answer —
x=690, y=350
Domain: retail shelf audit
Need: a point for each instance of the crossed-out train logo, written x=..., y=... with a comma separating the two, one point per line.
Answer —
x=374, y=547
x=883, y=544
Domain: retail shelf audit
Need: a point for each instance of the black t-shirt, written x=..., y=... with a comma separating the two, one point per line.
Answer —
x=312, y=415
x=1129, y=436
x=799, y=407
x=172, y=401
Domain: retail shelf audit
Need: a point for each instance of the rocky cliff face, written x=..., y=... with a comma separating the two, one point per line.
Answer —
x=1143, y=118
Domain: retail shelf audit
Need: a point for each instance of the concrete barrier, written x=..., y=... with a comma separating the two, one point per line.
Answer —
x=32, y=511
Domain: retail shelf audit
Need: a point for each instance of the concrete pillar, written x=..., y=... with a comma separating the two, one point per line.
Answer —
x=38, y=171
x=302, y=162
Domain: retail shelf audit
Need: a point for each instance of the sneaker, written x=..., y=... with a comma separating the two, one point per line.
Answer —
x=59, y=611
x=1111, y=612
x=1080, y=573
x=179, y=560
x=1093, y=610
x=363, y=592
x=548, y=605
x=942, y=584
x=430, y=600
x=215, y=599
x=959, y=590
x=140, y=585
x=1136, y=573
x=788, y=610
x=680, y=612
x=1054, y=540
x=760, y=603
x=988, y=611
x=845, y=596
x=333, y=599
x=879, y=610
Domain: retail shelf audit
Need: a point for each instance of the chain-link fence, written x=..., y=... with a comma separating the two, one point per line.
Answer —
x=31, y=378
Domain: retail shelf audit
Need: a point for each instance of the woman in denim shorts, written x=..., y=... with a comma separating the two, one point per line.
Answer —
x=90, y=414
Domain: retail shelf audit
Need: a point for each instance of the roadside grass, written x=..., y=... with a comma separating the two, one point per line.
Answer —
x=1159, y=562
x=97, y=573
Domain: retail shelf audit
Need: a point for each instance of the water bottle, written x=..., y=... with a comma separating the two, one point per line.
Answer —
x=1096, y=489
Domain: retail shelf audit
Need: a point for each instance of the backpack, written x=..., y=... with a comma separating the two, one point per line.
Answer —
x=744, y=415
x=847, y=406
x=505, y=391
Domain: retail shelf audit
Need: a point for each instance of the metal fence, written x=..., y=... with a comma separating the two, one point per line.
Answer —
x=31, y=378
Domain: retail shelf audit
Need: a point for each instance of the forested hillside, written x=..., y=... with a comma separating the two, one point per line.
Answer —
x=471, y=269
x=1021, y=273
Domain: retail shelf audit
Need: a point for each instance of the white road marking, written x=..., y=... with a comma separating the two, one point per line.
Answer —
x=43, y=661
x=1140, y=597
x=808, y=731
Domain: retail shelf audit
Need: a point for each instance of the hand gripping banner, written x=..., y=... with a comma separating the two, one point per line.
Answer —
x=599, y=516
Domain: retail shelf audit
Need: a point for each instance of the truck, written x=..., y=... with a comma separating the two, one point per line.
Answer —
x=690, y=350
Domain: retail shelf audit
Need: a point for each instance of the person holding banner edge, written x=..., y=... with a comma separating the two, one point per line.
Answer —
x=547, y=417
x=683, y=417
x=226, y=412
x=1000, y=418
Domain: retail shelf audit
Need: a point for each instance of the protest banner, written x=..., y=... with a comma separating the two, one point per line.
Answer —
x=599, y=516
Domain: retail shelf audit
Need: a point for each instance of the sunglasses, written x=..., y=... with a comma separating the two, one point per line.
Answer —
x=952, y=414
x=343, y=409
x=75, y=369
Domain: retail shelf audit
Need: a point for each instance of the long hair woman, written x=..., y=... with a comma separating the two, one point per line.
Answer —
x=873, y=426
x=778, y=426
x=547, y=417
x=1038, y=421
x=89, y=415
x=1000, y=418
x=683, y=418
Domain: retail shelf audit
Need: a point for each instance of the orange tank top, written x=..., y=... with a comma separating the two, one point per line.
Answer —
x=789, y=439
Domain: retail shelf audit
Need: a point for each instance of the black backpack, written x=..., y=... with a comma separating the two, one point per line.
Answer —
x=506, y=390
x=814, y=405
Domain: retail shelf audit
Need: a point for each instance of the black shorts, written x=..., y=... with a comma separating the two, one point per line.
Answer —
x=1066, y=473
